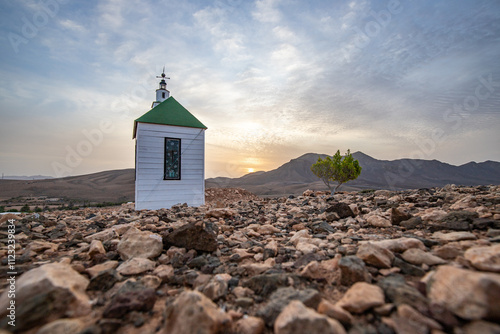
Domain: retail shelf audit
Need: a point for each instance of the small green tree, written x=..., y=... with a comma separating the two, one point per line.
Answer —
x=338, y=169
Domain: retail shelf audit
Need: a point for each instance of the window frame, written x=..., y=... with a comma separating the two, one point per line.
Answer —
x=165, y=178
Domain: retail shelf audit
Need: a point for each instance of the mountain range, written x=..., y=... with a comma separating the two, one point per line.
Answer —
x=292, y=177
x=295, y=176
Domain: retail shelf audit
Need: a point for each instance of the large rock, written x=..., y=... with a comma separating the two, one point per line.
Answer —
x=249, y=325
x=455, y=220
x=408, y=312
x=46, y=293
x=484, y=223
x=104, y=280
x=62, y=326
x=135, y=265
x=342, y=209
x=352, y=270
x=215, y=289
x=484, y=258
x=322, y=228
x=448, y=251
x=271, y=249
x=297, y=237
x=297, y=318
x=481, y=327
x=408, y=268
x=470, y=295
x=409, y=320
x=192, y=312
x=398, y=215
x=418, y=256
x=196, y=236
x=136, y=243
x=96, y=249
x=457, y=216
x=130, y=297
x=399, y=245
x=165, y=272
x=105, y=235
x=324, y=270
x=464, y=203
x=253, y=269
x=98, y=268
x=376, y=256
x=280, y=299
x=411, y=223
x=266, y=229
x=398, y=292
x=433, y=215
x=361, y=297
x=265, y=284
x=306, y=247
x=453, y=236
x=336, y=312
x=378, y=221
x=41, y=246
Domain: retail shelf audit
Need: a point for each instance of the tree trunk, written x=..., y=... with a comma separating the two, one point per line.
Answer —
x=335, y=190
x=327, y=183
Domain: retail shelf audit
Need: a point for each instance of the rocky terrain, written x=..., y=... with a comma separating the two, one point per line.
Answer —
x=421, y=261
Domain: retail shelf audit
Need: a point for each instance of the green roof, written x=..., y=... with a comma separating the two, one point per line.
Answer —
x=169, y=112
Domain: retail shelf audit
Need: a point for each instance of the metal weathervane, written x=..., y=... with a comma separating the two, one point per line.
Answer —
x=163, y=76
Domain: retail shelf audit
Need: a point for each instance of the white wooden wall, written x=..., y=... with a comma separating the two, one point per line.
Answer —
x=151, y=191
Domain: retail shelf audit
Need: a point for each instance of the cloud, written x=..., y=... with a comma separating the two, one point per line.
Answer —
x=284, y=34
x=266, y=11
x=72, y=25
x=226, y=39
x=111, y=13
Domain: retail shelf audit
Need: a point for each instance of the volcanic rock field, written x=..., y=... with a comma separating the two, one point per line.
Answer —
x=417, y=261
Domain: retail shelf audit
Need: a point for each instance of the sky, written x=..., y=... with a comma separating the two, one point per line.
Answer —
x=271, y=79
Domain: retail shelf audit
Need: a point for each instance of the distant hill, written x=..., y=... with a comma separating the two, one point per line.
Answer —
x=292, y=177
x=24, y=177
x=108, y=186
x=295, y=176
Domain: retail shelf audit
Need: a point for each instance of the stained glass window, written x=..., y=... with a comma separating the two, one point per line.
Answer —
x=172, y=159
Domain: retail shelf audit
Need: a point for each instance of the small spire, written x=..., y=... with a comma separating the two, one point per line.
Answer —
x=163, y=83
x=161, y=93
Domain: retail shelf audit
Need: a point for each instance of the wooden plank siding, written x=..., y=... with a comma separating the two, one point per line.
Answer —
x=151, y=191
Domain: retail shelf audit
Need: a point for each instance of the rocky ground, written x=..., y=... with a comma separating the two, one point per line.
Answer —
x=222, y=197
x=423, y=261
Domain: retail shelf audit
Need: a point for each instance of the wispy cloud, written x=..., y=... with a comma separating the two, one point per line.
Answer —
x=266, y=11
